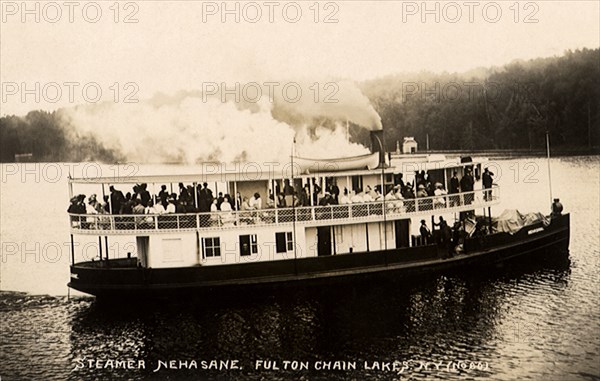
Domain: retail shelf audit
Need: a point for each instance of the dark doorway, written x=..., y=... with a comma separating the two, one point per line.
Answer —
x=324, y=240
x=402, y=233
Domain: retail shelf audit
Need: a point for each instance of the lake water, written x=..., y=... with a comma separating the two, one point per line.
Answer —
x=520, y=322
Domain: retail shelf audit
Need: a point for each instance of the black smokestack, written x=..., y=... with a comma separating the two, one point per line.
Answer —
x=378, y=145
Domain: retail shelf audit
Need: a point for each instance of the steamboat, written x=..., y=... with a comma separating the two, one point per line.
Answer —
x=340, y=232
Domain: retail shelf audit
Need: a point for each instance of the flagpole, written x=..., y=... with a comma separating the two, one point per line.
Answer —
x=549, y=172
x=294, y=208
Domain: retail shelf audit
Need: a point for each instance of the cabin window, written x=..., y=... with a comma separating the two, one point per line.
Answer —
x=284, y=242
x=212, y=247
x=248, y=244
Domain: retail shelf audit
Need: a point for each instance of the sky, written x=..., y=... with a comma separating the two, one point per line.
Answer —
x=55, y=55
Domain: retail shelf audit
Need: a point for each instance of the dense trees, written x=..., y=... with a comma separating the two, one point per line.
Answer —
x=46, y=136
x=499, y=108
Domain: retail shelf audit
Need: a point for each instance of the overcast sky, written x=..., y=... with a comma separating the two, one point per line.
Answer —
x=178, y=45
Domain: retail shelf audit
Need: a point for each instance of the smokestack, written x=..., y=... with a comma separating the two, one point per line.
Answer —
x=378, y=145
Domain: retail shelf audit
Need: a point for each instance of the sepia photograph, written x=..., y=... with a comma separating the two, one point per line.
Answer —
x=300, y=190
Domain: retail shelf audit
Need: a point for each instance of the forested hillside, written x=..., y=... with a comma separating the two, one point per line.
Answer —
x=510, y=107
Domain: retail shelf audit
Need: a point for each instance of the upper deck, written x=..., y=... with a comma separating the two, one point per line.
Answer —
x=384, y=210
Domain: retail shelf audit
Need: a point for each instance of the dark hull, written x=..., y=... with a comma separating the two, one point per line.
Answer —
x=121, y=279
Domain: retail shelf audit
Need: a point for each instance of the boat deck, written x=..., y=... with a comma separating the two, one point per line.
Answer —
x=310, y=216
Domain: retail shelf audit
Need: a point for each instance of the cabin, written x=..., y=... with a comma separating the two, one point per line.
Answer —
x=369, y=215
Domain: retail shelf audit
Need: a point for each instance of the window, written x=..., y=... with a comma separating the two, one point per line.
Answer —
x=248, y=244
x=212, y=247
x=284, y=242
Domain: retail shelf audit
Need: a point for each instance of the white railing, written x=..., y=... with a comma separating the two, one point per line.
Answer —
x=317, y=215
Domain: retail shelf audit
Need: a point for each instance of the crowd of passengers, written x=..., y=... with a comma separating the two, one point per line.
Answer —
x=202, y=200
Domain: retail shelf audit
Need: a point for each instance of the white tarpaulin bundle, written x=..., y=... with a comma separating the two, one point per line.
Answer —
x=511, y=220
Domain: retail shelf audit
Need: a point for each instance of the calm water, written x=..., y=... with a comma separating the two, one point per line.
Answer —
x=520, y=322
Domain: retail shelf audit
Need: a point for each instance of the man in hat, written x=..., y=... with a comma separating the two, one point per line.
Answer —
x=487, y=181
x=466, y=185
x=116, y=199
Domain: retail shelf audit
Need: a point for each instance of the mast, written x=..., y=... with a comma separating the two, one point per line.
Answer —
x=549, y=172
x=294, y=208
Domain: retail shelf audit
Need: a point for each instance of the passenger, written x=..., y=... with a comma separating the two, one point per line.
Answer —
x=421, y=192
x=281, y=202
x=440, y=199
x=149, y=209
x=367, y=196
x=400, y=182
x=205, y=198
x=144, y=195
x=163, y=196
x=454, y=188
x=466, y=185
x=255, y=201
x=391, y=195
x=159, y=208
x=183, y=193
x=487, y=181
x=170, y=209
x=288, y=193
x=138, y=208
x=425, y=233
x=93, y=206
x=304, y=196
x=326, y=200
x=73, y=208
x=226, y=205
x=557, y=208
x=246, y=204
x=377, y=194
x=316, y=191
x=270, y=201
x=344, y=199
x=296, y=200
x=357, y=197
x=116, y=199
x=105, y=204
x=127, y=205
x=180, y=206
x=219, y=200
x=454, y=184
x=190, y=208
x=192, y=198
x=334, y=191
x=214, y=207
x=238, y=201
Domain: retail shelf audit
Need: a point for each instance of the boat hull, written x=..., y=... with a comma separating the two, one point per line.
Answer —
x=120, y=278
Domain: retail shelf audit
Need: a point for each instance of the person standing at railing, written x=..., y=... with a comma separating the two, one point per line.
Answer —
x=440, y=199
x=454, y=189
x=487, y=181
x=466, y=185
x=116, y=199
x=255, y=201
x=171, y=209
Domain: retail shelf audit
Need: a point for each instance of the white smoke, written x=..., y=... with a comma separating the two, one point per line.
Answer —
x=189, y=128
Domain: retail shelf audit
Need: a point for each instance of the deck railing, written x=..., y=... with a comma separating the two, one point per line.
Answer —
x=312, y=215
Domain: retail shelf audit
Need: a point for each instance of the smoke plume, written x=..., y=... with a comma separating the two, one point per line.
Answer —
x=190, y=127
